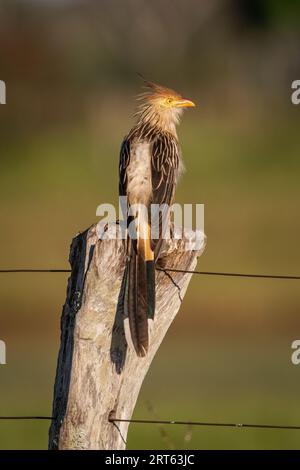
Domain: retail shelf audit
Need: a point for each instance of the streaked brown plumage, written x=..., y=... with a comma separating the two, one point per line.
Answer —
x=150, y=164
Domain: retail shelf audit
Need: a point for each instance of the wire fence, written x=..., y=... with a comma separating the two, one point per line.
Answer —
x=25, y=417
x=174, y=270
x=169, y=422
x=201, y=423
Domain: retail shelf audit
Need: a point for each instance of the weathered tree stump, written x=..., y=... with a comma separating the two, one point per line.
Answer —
x=97, y=371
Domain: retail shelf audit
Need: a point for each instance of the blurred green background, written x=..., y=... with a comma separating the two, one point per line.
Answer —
x=70, y=70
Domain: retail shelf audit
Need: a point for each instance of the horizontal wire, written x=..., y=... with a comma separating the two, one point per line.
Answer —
x=199, y=423
x=204, y=273
x=212, y=273
x=24, y=417
x=169, y=422
x=35, y=270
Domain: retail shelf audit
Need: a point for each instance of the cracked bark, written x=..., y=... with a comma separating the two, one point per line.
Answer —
x=98, y=373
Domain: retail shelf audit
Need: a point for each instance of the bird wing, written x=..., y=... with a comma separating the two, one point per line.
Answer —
x=123, y=164
x=123, y=181
x=165, y=159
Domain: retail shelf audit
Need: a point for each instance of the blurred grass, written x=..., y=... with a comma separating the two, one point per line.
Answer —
x=227, y=356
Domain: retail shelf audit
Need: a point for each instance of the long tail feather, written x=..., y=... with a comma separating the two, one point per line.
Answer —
x=139, y=297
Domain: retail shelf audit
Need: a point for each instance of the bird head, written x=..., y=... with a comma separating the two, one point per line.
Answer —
x=161, y=106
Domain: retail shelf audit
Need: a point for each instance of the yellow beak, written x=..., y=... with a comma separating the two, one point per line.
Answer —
x=185, y=103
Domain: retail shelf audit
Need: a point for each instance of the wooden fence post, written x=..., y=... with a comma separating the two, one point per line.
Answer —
x=97, y=371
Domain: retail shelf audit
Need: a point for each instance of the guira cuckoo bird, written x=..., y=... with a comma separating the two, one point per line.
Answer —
x=150, y=164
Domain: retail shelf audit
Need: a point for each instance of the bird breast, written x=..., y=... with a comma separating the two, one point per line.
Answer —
x=139, y=184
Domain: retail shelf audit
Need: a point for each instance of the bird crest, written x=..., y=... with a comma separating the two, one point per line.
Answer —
x=154, y=91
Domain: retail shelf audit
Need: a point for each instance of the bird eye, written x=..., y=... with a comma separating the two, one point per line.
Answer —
x=169, y=100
